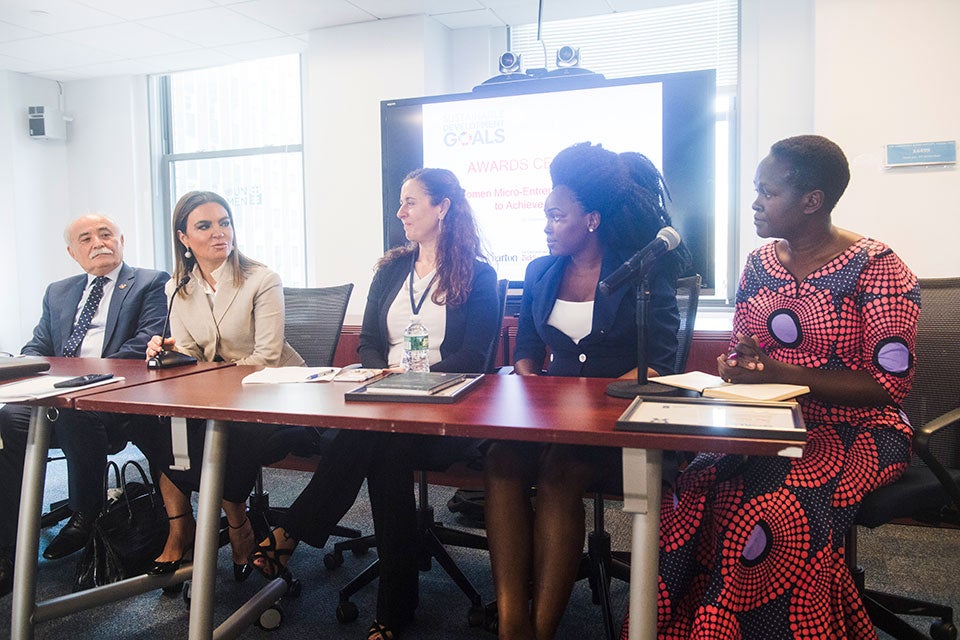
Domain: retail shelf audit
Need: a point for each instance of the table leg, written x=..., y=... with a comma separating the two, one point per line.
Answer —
x=206, y=543
x=641, y=496
x=28, y=525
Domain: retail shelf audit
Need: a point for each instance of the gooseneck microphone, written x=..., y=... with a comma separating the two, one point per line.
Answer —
x=667, y=240
x=166, y=359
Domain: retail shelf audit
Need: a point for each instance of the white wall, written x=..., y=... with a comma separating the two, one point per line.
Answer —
x=893, y=79
x=33, y=180
x=349, y=70
x=109, y=158
x=776, y=91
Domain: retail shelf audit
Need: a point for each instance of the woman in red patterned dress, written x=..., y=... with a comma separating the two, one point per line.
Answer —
x=751, y=547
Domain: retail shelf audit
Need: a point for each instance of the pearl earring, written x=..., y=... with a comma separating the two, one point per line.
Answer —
x=189, y=255
x=590, y=229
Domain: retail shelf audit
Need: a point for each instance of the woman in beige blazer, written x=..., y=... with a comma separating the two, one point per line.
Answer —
x=227, y=308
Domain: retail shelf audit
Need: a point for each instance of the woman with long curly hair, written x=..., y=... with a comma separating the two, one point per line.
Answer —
x=441, y=276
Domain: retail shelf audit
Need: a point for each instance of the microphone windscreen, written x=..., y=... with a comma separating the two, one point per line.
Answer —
x=670, y=236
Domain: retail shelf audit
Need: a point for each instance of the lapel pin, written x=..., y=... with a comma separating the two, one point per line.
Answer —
x=122, y=286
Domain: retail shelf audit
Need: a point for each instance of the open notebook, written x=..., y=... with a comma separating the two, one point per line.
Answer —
x=711, y=386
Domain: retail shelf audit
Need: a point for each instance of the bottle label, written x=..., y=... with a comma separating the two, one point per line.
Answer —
x=417, y=343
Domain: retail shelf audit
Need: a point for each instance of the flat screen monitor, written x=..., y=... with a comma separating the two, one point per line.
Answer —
x=500, y=138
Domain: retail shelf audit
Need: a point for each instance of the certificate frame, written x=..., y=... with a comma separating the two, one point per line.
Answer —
x=714, y=417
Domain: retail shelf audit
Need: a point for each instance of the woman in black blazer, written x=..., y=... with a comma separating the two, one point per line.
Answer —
x=603, y=208
x=440, y=275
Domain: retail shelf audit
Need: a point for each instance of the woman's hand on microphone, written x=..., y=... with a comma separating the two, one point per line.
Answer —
x=156, y=345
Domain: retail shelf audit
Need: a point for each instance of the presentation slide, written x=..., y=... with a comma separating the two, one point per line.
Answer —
x=501, y=149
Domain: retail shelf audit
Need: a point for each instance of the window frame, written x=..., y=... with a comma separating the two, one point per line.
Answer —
x=164, y=162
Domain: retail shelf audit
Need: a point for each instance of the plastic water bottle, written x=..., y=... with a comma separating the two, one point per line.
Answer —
x=416, y=345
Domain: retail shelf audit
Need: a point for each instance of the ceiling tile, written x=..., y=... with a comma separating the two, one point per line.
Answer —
x=139, y=9
x=53, y=16
x=469, y=19
x=63, y=75
x=213, y=27
x=12, y=32
x=17, y=64
x=395, y=8
x=516, y=12
x=265, y=48
x=199, y=59
x=106, y=69
x=129, y=40
x=52, y=52
x=297, y=16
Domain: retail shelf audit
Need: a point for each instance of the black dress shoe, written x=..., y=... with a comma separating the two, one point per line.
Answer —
x=71, y=538
x=6, y=572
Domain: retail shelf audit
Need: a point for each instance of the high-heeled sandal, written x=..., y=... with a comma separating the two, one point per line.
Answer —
x=271, y=554
x=385, y=633
x=241, y=571
x=163, y=567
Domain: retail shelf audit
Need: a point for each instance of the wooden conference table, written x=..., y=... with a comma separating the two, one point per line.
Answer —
x=540, y=409
x=26, y=611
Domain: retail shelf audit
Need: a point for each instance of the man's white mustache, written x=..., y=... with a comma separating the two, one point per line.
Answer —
x=101, y=251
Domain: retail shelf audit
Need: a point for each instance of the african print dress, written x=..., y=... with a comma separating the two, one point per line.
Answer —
x=751, y=547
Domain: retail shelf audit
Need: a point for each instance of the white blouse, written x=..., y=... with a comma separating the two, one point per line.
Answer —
x=432, y=315
x=574, y=319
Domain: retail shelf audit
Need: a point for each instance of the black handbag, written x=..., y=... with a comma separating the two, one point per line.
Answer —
x=128, y=534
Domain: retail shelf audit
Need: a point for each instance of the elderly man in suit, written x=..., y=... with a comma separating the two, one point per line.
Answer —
x=110, y=311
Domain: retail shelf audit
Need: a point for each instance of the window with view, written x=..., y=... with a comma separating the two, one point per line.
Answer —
x=236, y=130
x=685, y=36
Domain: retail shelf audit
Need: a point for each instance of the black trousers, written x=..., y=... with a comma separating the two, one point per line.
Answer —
x=387, y=461
x=86, y=437
x=249, y=446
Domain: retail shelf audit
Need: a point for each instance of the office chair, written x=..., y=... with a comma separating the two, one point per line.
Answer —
x=313, y=320
x=928, y=493
x=599, y=564
x=434, y=535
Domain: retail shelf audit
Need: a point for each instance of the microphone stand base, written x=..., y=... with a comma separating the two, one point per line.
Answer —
x=632, y=389
x=167, y=359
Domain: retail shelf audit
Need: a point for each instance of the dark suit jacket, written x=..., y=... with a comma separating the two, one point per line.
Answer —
x=137, y=311
x=610, y=350
x=471, y=326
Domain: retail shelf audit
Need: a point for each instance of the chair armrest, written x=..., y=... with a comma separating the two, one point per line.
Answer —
x=921, y=444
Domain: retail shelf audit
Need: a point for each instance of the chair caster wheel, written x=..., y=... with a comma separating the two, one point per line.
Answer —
x=293, y=589
x=271, y=619
x=333, y=560
x=476, y=616
x=941, y=630
x=347, y=612
x=187, y=587
x=173, y=590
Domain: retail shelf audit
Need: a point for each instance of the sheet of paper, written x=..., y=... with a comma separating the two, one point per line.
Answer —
x=42, y=387
x=693, y=380
x=285, y=375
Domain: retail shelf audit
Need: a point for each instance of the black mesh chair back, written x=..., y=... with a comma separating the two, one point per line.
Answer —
x=688, y=300
x=491, y=364
x=936, y=385
x=928, y=493
x=313, y=321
